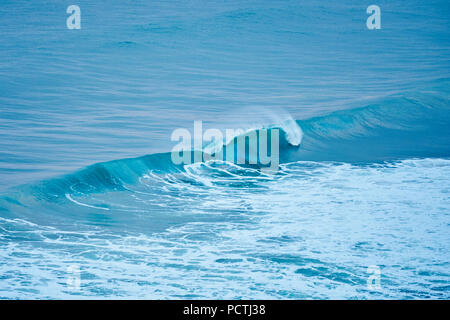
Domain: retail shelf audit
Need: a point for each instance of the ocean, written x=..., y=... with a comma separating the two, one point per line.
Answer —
x=91, y=205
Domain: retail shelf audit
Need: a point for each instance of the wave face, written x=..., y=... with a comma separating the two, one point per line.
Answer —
x=392, y=128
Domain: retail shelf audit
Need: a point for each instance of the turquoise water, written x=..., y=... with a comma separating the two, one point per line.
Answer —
x=86, y=178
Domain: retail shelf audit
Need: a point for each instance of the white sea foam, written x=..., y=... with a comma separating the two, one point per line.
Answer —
x=308, y=232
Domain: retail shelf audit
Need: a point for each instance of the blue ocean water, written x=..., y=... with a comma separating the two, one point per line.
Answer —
x=86, y=178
